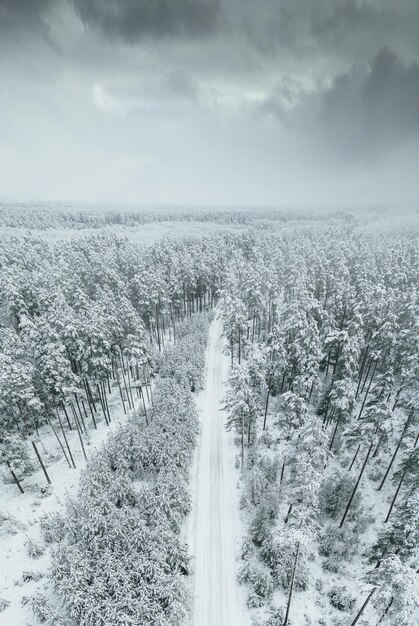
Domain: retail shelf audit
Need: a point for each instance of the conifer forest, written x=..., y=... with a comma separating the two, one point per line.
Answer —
x=214, y=426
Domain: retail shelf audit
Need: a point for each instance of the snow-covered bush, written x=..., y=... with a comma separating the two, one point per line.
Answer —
x=278, y=552
x=337, y=543
x=263, y=519
x=14, y=453
x=33, y=548
x=52, y=527
x=341, y=599
x=335, y=493
x=9, y=525
x=276, y=618
x=258, y=576
x=44, y=612
x=4, y=604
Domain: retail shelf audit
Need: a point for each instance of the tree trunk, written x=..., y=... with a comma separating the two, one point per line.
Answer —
x=405, y=427
x=288, y=514
x=41, y=462
x=125, y=381
x=89, y=392
x=361, y=371
x=363, y=607
x=73, y=410
x=294, y=569
x=157, y=327
x=356, y=485
x=386, y=611
x=66, y=415
x=65, y=438
x=120, y=393
x=354, y=458
x=129, y=386
x=366, y=375
x=59, y=440
x=145, y=409
x=377, y=447
x=105, y=400
x=282, y=471
x=102, y=404
x=85, y=413
x=393, y=502
x=266, y=406
x=242, y=441
x=334, y=432
x=80, y=437
x=368, y=390
x=80, y=413
x=15, y=478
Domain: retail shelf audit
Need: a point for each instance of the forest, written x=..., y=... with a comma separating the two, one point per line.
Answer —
x=103, y=351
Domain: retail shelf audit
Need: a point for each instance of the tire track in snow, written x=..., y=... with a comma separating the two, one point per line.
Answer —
x=217, y=597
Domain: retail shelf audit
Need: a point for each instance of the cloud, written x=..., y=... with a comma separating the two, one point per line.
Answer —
x=160, y=91
x=131, y=20
x=364, y=112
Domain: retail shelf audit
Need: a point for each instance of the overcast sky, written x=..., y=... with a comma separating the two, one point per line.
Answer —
x=226, y=102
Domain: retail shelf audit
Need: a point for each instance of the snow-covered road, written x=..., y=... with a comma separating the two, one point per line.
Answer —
x=217, y=596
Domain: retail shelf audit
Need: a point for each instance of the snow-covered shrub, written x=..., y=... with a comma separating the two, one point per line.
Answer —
x=256, y=484
x=9, y=525
x=254, y=601
x=278, y=552
x=168, y=499
x=276, y=618
x=4, y=604
x=29, y=576
x=338, y=543
x=335, y=493
x=43, y=611
x=33, y=548
x=266, y=439
x=258, y=576
x=52, y=527
x=263, y=519
x=247, y=548
x=341, y=599
x=14, y=451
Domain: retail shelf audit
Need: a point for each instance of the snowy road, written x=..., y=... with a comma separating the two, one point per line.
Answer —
x=217, y=597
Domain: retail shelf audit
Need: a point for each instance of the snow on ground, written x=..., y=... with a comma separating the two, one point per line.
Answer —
x=215, y=526
x=19, y=571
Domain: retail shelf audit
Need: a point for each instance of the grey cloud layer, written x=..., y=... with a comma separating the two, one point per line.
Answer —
x=365, y=111
x=209, y=100
x=130, y=20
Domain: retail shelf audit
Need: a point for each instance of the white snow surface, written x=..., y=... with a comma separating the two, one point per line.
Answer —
x=216, y=529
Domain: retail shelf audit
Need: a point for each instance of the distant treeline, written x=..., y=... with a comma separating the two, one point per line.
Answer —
x=43, y=216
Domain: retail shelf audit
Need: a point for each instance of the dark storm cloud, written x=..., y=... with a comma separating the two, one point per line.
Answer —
x=351, y=29
x=21, y=15
x=130, y=20
x=364, y=111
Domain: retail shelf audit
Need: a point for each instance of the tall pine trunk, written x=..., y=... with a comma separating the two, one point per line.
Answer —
x=294, y=569
x=348, y=506
x=363, y=607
